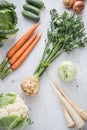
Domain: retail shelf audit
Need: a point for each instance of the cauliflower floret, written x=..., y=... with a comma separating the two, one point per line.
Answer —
x=18, y=108
x=13, y=112
x=3, y=113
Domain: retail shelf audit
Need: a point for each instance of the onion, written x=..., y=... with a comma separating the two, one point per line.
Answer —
x=78, y=7
x=68, y=3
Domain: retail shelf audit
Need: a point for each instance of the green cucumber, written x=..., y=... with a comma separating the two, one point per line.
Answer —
x=37, y=3
x=30, y=15
x=31, y=8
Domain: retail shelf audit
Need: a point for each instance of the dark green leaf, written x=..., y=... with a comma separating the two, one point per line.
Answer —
x=8, y=19
x=66, y=32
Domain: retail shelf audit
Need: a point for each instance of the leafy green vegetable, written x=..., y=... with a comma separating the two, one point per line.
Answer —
x=66, y=33
x=13, y=122
x=7, y=99
x=8, y=20
x=6, y=4
x=14, y=116
x=9, y=122
x=22, y=123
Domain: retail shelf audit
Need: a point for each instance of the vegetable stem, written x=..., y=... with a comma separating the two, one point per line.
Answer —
x=41, y=71
x=2, y=65
x=66, y=33
x=57, y=54
x=9, y=70
x=19, y=52
x=5, y=69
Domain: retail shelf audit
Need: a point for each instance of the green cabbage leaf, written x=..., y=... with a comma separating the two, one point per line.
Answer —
x=8, y=20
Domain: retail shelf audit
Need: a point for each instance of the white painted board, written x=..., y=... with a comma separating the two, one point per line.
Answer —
x=45, y=108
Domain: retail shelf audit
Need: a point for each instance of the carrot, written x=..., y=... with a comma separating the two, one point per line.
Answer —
x=21, y=41
x=25, y=54
x=15, y=57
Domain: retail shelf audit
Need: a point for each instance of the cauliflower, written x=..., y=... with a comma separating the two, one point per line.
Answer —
x=13, y=112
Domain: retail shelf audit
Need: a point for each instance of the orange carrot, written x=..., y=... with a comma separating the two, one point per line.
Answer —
x=21, y=41
x=26, y=53
x=15, y=57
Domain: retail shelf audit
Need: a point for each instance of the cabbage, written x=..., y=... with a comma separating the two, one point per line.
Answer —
x=67, y=71
x=8, y=20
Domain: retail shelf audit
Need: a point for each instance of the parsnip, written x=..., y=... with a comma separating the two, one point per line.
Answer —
x=75, y=116
x=81, y=112
x=69, y=121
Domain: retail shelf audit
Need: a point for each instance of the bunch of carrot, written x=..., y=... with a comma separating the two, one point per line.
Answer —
x=74, y=115
x=19, y=52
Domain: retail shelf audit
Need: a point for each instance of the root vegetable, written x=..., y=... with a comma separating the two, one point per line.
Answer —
x=15, y=57
x=8, y=65
x=78, y=7
x=25, y=54
x=18, y=45
x=68, y=3
x=21, y=41
x=75, y=116
x=59, y=39
x=81, y=112
x=30, y=86
x=69, y=121
x=79, y=0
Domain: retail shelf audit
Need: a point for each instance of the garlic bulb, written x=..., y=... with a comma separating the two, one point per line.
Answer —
x=30, y=86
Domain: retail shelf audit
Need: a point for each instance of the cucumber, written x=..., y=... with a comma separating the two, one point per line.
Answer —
x=31, y=8
x=37, y=3
x=30, y=15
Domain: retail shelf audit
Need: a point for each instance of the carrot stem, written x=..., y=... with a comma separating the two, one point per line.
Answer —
x=21, y=41
x=8, y=68
x=6, y=73
x=2, y=65
x=5, y=69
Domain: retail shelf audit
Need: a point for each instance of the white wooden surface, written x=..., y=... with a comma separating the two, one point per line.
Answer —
x=45, y=108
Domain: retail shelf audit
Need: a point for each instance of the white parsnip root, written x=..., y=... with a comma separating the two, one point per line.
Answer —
x=69, y=120
x=81, y=112
x=79, y=122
